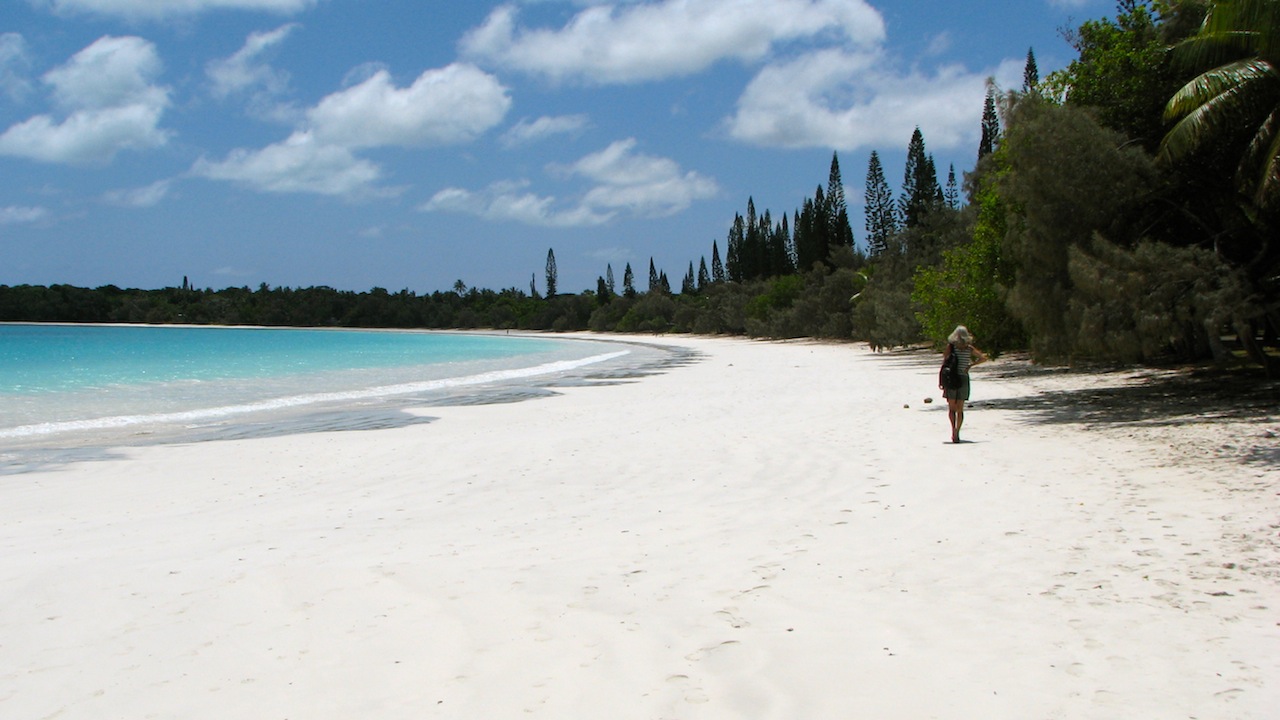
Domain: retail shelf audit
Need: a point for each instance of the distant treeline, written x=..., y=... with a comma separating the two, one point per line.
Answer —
x=821, y=302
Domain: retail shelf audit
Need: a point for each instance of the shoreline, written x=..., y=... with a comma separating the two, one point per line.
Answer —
x=288, y=405
x=778, y=530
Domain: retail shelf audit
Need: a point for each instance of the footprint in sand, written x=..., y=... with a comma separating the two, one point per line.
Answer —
x=692, y=695
x=730, y=616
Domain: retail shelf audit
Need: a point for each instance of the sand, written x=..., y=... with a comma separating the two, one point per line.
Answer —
x=778, y=530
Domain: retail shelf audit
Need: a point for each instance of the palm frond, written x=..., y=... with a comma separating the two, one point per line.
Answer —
x=1204, y=123
x=1215, y=83
x=1259, y=172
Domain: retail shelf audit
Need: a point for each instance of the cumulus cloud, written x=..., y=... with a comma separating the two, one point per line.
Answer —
x=17, y=215
x=111, y=103
x=14, y=66
x=299, y=164
x=528, y=131
x=509, y=202
x=832, y=98
x=246, y=70
x=143, y=197
x=447, y=106
x=157, y=9
x=642, y=185
x=637, y=42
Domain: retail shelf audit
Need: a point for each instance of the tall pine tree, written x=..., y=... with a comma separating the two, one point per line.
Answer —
x=1030, y=73
x=920, y=189
x=881, y=214
x=551, y=273
x=952, y=191
x=717, y=266
x=628, y=282
x=838, y=230
x=990, y=124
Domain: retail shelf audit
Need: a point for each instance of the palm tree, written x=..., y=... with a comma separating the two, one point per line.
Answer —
x=1239, y=42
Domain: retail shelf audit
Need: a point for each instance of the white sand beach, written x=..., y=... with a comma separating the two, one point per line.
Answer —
x=778, y=530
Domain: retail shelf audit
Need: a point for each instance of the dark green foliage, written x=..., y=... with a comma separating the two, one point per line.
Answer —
x=1123, y=73
x=1030, y=73
x=971, y=284
x=1152, y=302
x=1068, y=178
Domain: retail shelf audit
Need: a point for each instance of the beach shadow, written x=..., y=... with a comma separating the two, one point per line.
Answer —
x=1155, y=398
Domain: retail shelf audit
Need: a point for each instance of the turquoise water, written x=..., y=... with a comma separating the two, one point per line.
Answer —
x=68, y=385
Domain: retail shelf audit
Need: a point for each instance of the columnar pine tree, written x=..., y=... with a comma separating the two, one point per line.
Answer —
x=628, y=282
x=920, y=189
x=952, y=192
x=838, y=230
x=990, y=124
x=1030, y=74
x=551, y=273
x=881, y=223
x=717, y=267
x=653, y=276
x=533, y=286
x=703, y=277
x=608, y=279
x=687, y=287
x=733, y=263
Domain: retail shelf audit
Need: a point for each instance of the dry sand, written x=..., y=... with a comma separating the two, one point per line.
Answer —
x=778, y=530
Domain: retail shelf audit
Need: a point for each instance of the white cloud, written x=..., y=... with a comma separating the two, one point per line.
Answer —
x=112, y=72
x=112, y=104
x=446, y=106
x=643, y=185
x=299, y=164
x=451, y=105
x=835, y=99
x=246, y=70
x=507, y=202
x=637, y=42
x=157, y=9
x=527, y=131
x=939, y=45
x=142, y=197
x=14, y=215
x=14, y=66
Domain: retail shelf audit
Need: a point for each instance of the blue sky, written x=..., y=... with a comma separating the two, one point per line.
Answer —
x=413, y=143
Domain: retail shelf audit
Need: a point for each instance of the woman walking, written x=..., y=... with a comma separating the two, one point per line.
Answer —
x=967, y=355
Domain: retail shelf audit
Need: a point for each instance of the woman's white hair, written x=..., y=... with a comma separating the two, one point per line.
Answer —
x=960, y=336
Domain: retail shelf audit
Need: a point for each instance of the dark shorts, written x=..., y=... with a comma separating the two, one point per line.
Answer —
x=960, y=393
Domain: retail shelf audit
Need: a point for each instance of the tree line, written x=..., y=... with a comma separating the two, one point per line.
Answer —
x=1121, y=209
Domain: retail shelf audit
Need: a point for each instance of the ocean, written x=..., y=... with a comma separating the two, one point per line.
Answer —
x=68, y=387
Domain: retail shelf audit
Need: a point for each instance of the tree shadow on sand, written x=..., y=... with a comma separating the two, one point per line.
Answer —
x=1132, y=397
x=1156, y=399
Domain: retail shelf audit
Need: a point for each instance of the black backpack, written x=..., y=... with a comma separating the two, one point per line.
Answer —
x=949, y=375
